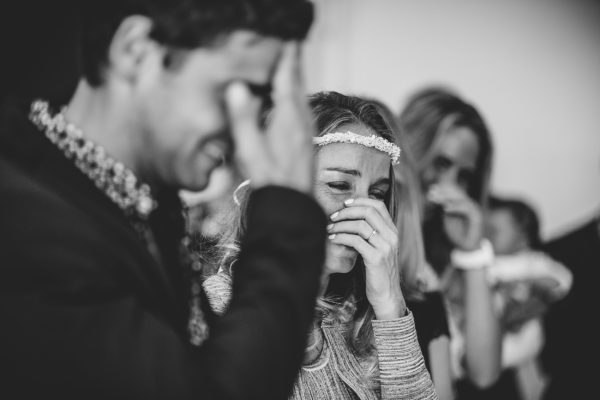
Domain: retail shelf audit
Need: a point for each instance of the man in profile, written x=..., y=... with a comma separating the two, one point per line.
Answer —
x=95, y=295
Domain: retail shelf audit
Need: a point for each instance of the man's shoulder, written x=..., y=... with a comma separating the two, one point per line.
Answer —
x=39, y=222
x=24, y=196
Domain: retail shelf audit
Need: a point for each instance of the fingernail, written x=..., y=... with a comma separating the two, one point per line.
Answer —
x=237, y=94
x=331, y=237
x=329, y=227
x=348, y=201
x=334, y=215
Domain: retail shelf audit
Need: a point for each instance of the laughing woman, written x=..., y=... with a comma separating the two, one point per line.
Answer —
x=363, y=344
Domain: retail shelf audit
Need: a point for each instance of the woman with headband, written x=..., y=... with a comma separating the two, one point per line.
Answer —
x=363, y=343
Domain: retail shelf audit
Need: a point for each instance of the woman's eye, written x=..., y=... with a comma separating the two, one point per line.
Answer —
x=441, y=164
x=339, y=186
x=377, y=195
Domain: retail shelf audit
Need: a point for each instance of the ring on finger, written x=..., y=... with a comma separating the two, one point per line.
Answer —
x=371, y=235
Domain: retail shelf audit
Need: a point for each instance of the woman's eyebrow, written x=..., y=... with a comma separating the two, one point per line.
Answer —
x=352, y=172
x=383, y=181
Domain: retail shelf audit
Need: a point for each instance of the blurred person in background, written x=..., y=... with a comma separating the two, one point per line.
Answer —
x=453, y=149
x=526, y=282
x=429, y=310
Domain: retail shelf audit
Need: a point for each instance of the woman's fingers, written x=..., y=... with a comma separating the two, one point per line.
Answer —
x=356, y=242
x=362, y=229
x=442, y=193
x=369, y=214
x=463, y=221
x=378, y=205
x=458, y=208
x=454, y=201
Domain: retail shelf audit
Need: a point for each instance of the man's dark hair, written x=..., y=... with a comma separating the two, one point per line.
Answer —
x=188, y=24
x=524, y=215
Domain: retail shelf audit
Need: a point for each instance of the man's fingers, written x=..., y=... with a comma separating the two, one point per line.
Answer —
x=243, y=110
x=292, y=120
x=288, y=77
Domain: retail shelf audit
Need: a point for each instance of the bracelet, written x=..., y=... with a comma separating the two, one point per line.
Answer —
x=480, y=258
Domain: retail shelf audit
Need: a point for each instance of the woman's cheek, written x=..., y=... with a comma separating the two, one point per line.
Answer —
x=330, y=203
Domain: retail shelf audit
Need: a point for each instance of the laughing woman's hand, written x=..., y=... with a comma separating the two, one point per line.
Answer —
x=366, y=226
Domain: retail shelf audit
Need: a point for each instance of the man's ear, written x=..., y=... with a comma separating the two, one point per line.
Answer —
x=132, y=48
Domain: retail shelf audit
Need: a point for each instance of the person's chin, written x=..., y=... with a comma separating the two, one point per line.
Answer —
x=431, y=210
x=194, y=182
x=341, y=259
x=197, y=177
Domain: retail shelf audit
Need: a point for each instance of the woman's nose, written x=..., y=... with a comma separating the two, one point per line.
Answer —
x=360, y=192
x=449, y=176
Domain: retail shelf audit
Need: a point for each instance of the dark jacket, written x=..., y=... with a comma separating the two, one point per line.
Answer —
x=571, y=345
x=87, y=312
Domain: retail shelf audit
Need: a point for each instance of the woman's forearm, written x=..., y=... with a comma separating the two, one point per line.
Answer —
x=402, y=370
x=482, y=330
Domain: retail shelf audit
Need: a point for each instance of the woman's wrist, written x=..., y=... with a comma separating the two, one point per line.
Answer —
x=475, y=259
x=390, y=309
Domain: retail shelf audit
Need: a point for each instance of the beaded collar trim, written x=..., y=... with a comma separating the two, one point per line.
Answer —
x=110, y=176
x=373, y=141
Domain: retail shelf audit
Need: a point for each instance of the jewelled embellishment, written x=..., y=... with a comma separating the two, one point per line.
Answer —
x=110, y=176
x=373, y=141
x=198, y=329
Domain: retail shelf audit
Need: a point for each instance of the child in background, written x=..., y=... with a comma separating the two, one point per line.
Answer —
x=526, y=281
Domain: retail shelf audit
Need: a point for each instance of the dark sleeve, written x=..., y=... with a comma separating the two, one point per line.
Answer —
x=431, y=320
x=258, y=343
x=76, y=322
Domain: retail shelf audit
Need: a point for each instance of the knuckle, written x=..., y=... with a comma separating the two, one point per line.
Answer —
x=387, y=247
x=370, y=213
x=365, y=226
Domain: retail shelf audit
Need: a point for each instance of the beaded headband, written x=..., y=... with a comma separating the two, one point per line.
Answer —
x=373, y=141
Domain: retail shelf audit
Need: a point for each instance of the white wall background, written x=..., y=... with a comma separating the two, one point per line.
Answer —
x=532, y=68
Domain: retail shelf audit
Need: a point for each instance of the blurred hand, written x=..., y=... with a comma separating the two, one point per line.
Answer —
x=517, y=312
x=462, y=216
x=283, y=155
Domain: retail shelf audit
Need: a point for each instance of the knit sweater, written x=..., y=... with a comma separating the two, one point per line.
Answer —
x=337, y=373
